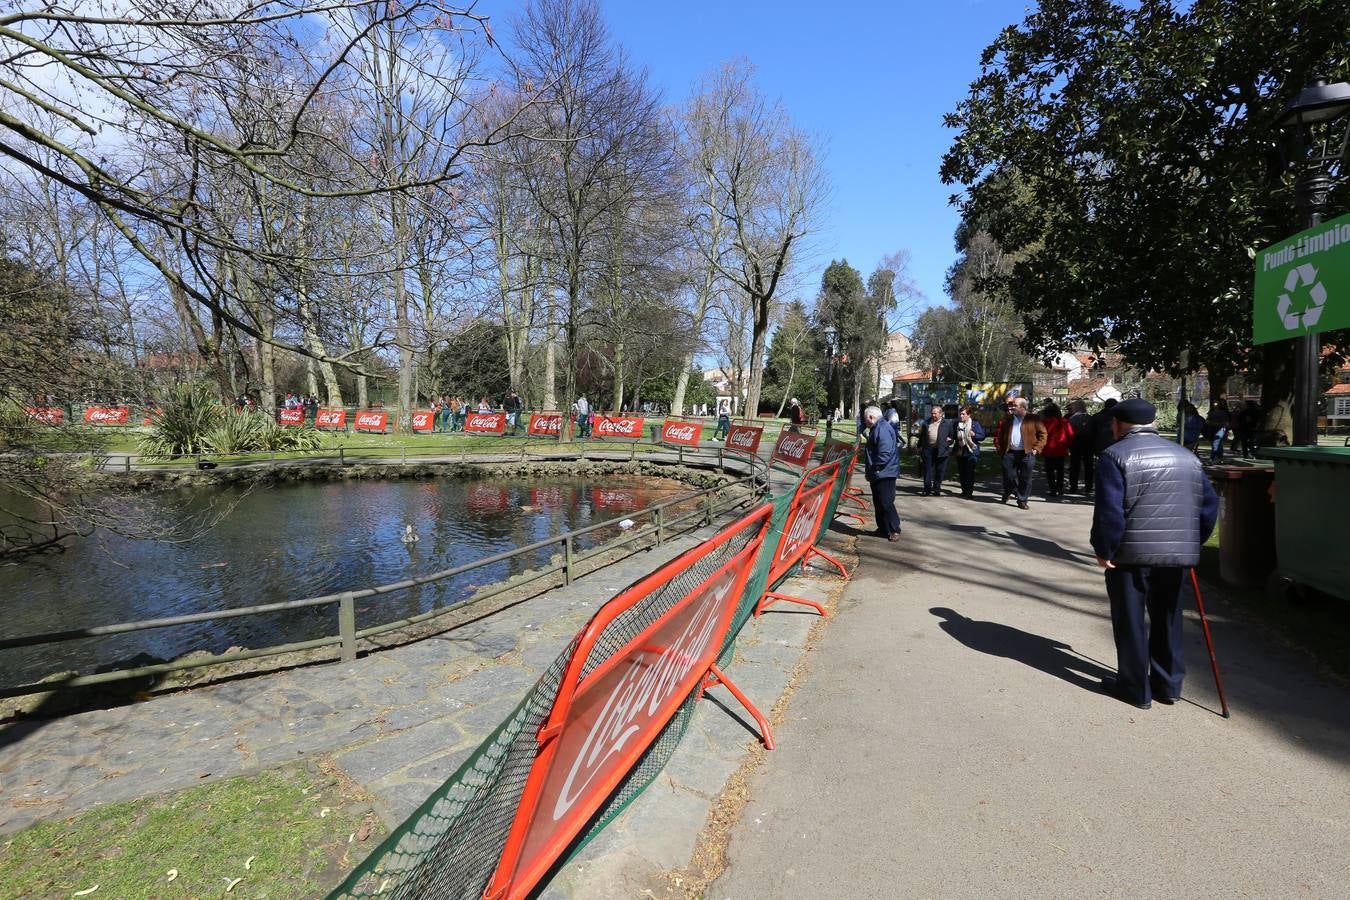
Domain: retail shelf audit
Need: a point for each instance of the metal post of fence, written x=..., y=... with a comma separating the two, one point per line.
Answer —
x=405, y=455
x=567, y=559
x=342, y=459
x=680, y=451
x=709, y=509
x=632, y=451
x=721, y=464
x=660, y=519
x=347, y=625
x=127, y=459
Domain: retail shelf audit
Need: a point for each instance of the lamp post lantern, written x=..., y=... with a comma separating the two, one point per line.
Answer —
x=1317, y=128
x=831, y=335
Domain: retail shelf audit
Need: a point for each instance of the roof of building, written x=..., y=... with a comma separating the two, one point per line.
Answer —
x=1339, y=390
x=1087, y=388
x=922, y=375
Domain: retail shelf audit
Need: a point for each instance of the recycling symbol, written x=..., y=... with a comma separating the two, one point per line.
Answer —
x=1307, y=276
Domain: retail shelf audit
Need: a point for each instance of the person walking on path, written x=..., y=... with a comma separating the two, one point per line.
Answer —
x=1021, y=435
x=969, y=433
x=1058, y=440
x=881, y=469
x=1247, y=424
x=1216, y=428
x=796, y=415
x=1080, y=449
x=1154, y=509
x=936, y=438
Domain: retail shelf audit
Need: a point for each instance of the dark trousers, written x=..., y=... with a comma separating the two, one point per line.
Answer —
x=883, y=504
x=934, y=470
x=1149, y=655
x=1017, y=465
x=1080, y=460
x=1054, y=474
x=966, y=466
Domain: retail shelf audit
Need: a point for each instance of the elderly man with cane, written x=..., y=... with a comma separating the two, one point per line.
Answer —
x=1154, y=508
x=882, y=469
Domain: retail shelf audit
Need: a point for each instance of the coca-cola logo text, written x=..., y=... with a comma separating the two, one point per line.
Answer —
x=331, y=418
x=421, y=421
x=489, y=423
x=103, y=415
x=744, y=437
x=795, y=448
x=373, y=421
x=641, y=692
x=804, y=525
x=545, y=424
x=687, y=433
x=291, y=416
x=624, y=426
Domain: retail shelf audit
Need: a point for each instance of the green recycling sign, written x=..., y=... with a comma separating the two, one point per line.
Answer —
x=1303, y=283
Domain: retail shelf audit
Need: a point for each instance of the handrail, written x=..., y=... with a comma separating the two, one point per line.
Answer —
x=348, y=635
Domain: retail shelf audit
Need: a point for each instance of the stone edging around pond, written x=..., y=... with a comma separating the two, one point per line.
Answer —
x=302, y=470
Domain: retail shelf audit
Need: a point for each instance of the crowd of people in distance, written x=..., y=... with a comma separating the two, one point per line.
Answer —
x=449, y=412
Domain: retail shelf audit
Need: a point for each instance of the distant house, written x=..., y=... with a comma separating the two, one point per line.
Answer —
x=897, y=360
x=1338, y=399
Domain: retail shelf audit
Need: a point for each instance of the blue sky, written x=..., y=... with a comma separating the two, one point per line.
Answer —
x=870, y=80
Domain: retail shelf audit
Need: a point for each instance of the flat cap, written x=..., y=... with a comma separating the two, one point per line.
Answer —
x=1135, y=411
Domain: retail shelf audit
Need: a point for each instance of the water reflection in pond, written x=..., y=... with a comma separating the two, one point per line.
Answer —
x=288, y=542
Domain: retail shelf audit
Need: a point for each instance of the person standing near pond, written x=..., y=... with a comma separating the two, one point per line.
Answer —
x=969, y=433
x=1216, y=428
x=936, y=438
x=1154, y=509
x=882, y=468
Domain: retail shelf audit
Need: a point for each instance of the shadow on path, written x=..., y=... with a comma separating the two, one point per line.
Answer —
x=1043, y=653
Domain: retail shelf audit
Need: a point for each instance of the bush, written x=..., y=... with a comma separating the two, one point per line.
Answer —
x=238, y=432
x=187, y=415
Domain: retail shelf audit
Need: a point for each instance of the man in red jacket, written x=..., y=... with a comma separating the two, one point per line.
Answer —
x=1020, y=436
x=1058, y=441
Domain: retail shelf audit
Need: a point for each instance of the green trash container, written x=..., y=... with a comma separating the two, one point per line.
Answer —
x=1247, y=524
x=1312, y=495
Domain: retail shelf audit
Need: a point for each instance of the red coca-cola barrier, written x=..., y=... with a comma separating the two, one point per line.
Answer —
x=423, y=420
x=545, y=424
x=804, y=525
x=606, y=717
x=107, y=415
x=330, y=418
x=744, y=439
x=150, y=416
x=611, y=427
x=681, y=433
x=834, y=449
x=291, y=416
x=485, y=423
x=793, y=448
x=847, y=454
x=371, y=421
x=51, y=415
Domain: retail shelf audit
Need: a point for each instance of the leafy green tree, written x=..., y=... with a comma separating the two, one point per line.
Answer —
x=1125, y=152
x=473, y=363
x=796, y=354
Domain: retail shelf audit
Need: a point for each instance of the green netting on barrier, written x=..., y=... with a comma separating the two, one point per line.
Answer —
x=450, y=846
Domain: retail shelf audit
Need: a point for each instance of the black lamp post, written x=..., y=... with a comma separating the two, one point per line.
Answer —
x=1318, y=129
x=831, y=335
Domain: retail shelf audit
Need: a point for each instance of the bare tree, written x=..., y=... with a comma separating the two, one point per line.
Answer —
x=606, y=145
x=770, y=189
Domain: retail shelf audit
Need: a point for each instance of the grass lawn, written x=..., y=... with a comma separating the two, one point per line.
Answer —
x=292, y=832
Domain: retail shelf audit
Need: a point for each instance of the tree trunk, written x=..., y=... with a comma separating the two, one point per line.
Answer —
x=550, y=366
x=756, y=365
x=618, y=376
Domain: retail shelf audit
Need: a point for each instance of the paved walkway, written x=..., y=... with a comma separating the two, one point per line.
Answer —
x=949, y=739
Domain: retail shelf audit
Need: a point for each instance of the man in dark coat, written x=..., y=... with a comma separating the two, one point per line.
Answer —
x=935, y=438
x=1154, y=509
x=882, y=467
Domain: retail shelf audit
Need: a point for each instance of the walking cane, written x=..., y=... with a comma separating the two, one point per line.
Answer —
x=1209, y=642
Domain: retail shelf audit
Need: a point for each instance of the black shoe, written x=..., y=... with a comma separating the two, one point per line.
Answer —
x=1022, y=504
x=1005, y=498
x=1110, y=687
x=1164, y=699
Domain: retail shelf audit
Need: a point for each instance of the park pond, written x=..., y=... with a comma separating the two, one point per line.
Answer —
x=287, y=542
